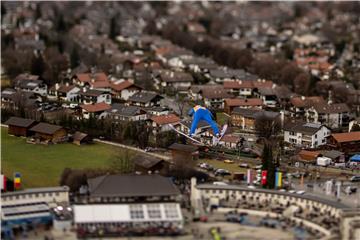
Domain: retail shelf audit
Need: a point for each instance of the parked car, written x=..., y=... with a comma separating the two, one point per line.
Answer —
x=228, y=161
x=222, y=172
x=355, y=179
x=300, y=192
x=220, y=183
x=74, y=105
x=244, y=165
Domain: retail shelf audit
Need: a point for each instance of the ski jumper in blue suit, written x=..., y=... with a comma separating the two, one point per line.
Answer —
x=201, y=113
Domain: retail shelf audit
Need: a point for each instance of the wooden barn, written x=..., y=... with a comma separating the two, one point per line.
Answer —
x=20, y=126
x=146, y=163
x=184, y=152
x=80, y=138
x=49, y=132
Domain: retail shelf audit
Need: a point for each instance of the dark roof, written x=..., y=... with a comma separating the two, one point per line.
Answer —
x=333, y=108
x=307, y=128
x=183, y=147
x=332, y=154
x=91, y=92
x=144, y=97
x=20, y=122
x=169, y=76
x=45, y=128
x=255, y=113
x=146, y=161
x=29, y=84
x=131, y=186
x=246, y=112
x=123, y=110
x=78, y=136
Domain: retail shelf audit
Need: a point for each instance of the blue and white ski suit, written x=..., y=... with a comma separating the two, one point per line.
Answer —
x=201, y=113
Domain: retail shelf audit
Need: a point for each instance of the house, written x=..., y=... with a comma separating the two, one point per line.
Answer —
x=91, y=96
x=80, y=138
x=147, y=163
x=185, y=125
x=49, y=132
x=231, y=103
x=230, y=141
x=184, y=152
x=308, y=157
x=30, y=83
x=267, y=95
x=221, y=75
x=334, y=155
x=245, y=118
x=298, y=105
x=345, y=142
x=20, y=126
x=123, y=89
x=157, y=111
x=176, y=80
x=214, y=96
x=161, y=123
x=247, y=88
x=309, y=135
x=64, y=92
x=333, y=115
x=121, y=112
x=94, y=110
x=145, y=99
x=130, y=200
x=97, y=81
x=12, y=99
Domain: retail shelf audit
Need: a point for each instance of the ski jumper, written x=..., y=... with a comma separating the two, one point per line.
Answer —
x=201, y=113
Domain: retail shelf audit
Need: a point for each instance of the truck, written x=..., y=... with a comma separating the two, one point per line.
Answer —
x=323, y=161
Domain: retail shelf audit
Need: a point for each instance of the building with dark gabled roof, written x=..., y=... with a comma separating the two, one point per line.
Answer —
x=303, y=134
x=20, y=126
x=184, y=152
x=245, y=117
x=333, y=115
x=49, y=133
x=346, y=142
x=145, y=99
x=80, y=138
x=131, y=186
x=122, y=112
x=148, y=163
x=140, y=203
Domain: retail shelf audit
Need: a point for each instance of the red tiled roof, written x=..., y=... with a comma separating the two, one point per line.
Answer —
x=96, y=107
x=165, y=119
x=306, y=101
x=263, y=84
x=83, y=77
x=100, y=84
x=121, y=86
x=238, y=84
x=86, y=77
x=308, y=155
x=346, y=137
x=233, y=102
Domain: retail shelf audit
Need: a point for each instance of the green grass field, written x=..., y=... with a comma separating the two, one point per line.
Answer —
x=42, y=166
x=231, y=167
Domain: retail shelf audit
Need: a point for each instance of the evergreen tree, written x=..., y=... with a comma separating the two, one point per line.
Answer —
x=74, y=58
x=61, y=25
x=37, y=65
x=113, y=31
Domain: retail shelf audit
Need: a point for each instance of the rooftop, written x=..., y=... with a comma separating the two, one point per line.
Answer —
x=46, y=128
x=20, y=122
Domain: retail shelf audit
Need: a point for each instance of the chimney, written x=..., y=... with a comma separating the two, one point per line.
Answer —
x=57, y=86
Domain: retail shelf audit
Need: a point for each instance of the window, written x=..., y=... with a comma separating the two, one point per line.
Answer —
x=171, y=210
x=136, y=212
x=154, y=211
x=292, y=133
x=315, y=135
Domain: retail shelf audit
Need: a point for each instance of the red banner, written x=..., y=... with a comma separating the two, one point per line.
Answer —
x=263, y=177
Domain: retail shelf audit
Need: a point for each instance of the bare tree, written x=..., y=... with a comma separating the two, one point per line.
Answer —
x=121, y=161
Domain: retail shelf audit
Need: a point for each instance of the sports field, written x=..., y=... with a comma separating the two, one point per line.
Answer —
x=41, y=166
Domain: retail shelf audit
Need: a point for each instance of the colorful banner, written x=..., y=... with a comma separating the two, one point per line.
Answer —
x=278, y=179
x=17, y=181
x=263, y=177
x=249, y=176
